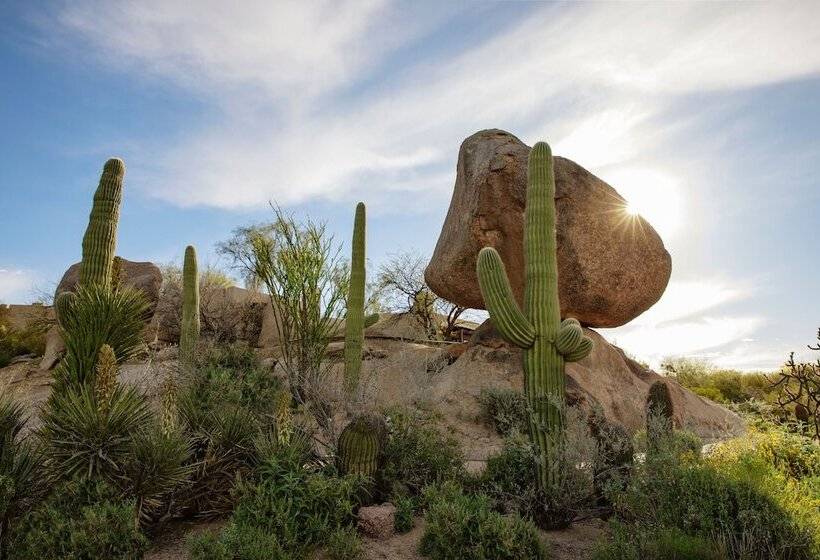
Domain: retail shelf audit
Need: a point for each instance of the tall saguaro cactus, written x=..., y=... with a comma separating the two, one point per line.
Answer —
x=547, y=341
x=189, y=333
x=355, y=320
x=100, y=239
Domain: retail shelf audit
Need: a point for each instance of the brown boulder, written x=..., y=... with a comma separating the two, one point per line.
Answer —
x=612, y=266
x=607, y=377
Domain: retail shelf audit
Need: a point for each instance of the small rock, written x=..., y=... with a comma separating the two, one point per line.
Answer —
x=377, y=522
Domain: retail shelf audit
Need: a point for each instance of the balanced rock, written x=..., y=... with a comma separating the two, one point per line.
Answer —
x=612, y=266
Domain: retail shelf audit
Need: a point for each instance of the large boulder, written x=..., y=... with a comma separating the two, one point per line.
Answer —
x=612, y=266
x=144, y=276
x=607, y=377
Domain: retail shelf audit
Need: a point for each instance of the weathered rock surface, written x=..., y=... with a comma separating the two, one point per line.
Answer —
x=612, y=266
x=607, y=377
x=377, y=522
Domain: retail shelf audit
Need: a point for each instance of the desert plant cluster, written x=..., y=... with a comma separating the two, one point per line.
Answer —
x=287, y=458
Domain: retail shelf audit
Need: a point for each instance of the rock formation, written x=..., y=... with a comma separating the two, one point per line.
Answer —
x=611, y=266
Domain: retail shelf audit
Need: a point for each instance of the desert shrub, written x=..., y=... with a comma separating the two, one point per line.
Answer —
x=344, y=544
x=614, y=453
x=746, y=507
x=463, y=527
x=290, y=510
x=504, y=409
x=80, y=521
x=416, y=454
x=510, y=478
x=630, y=543
x=678, y=442
x=795, y=455
x=21, y=481
x=31, y=339
x=405, y=513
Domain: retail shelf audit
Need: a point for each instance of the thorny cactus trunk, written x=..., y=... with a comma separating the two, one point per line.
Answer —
x=360, y=445
x=189, y=332
x=354, y=321
x=547, y=341
x=100, y=240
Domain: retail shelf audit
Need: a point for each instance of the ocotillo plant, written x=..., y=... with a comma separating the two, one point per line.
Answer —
x=189, y=332
x=547, y=341
x=360, y=445
x=354, y=321
x=659, y=412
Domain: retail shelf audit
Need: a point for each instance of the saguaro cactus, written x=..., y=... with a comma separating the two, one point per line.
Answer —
x=659, y=413
x=547, y=341
x=360, y=445
x=189, y=331
x=354, y=322
x=100, y=240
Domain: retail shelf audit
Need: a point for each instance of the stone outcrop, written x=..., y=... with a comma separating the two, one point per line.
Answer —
x=612, y=266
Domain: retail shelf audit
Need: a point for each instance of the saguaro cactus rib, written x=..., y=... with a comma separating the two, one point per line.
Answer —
x=547, y=342
x=355, y=320
x=100, y=239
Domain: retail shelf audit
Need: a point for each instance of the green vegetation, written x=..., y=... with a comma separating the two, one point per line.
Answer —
x=29, y=339
x=189, y=332
x=360, y=446
x=505, y=410
x=547, y=341
x=354, y=319
x=460, y=526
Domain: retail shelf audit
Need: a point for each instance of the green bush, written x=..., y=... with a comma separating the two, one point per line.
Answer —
x=744, y=507
x=509, y=478
x=416, y=454
x=405, y=513
x=291, y=510
x=344, y=544
x=80, y=521
x=628, y=543
x=505, y=410
x=460, y=527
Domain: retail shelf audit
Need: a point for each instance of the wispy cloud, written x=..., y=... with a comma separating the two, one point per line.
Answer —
x=563, y=74
x=15, y=285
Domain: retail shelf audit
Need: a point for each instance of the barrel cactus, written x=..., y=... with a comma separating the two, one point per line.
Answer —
x=355, y=320
x=360, y=445
x=189, y=331
x=548, y=342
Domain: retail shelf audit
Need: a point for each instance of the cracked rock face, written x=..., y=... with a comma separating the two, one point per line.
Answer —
x=611, y=266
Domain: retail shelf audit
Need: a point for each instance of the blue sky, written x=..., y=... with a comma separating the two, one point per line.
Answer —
x=705, y=116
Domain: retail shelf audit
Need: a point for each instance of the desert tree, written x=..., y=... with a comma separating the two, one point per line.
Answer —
x=404, y=290
x=298, y=264
x=798, y=389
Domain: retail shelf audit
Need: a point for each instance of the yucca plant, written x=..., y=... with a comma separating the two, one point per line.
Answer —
x=81, y=441
x=157, y=470
x=98, y=316
x=21, y=482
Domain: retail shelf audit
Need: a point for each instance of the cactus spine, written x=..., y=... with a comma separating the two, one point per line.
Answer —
x=547, y=341
x=360, y=445
x=100, y=239
x=355, y=320
x=189, y=332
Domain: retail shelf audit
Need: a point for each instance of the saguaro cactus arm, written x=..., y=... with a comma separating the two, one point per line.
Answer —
x=499, y=299
x=100, y=239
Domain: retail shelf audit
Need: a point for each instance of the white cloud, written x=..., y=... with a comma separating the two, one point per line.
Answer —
x=15, y=285
x=687, y=322
x=564, y=74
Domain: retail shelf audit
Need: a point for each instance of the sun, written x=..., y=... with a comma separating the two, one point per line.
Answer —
x=653, y=195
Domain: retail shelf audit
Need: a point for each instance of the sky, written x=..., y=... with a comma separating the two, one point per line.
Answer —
x=704, y=116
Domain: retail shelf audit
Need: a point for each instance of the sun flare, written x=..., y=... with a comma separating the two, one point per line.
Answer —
x=651, y=194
